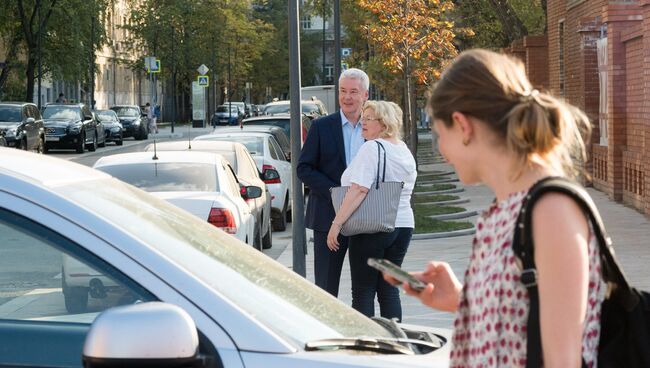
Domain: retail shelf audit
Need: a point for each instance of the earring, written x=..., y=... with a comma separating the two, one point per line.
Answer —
x=465, y=141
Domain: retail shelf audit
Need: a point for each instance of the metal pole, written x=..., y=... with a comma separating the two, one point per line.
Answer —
x=337, y=50
x=324, y=64
x=173, y=83
x=92, y=63
x=40, y=56
x=297, y=197
x=229, y=89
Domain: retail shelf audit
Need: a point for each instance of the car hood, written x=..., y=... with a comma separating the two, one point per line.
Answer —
x=110, y=124
x=58, y=123
x=5, y=125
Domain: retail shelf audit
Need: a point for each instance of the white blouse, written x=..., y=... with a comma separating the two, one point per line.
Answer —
x=400, y=166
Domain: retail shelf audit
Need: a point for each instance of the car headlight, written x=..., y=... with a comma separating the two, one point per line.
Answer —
x=116, y=128
x=136, y=122
x=11, y=132
x=74, y=128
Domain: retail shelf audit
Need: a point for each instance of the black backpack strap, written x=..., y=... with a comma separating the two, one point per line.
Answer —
x=383, y=178
x=524, y=249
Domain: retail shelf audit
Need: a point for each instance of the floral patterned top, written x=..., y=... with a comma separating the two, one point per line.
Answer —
x=490, y=325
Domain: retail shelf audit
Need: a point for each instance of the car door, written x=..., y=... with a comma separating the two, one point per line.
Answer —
x=39, y=131
x=36, y=329
x=89, y=123
x=29, y=127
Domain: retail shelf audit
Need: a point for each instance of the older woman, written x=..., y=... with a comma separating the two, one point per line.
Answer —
x=382, y=121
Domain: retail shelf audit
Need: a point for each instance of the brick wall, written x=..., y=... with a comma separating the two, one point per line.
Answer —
x=533, y=52
x=645, y=11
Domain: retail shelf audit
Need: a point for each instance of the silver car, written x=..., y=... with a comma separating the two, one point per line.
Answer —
x=183, y=292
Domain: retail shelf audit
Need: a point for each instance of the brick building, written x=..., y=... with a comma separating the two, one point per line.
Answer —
x=598, y=58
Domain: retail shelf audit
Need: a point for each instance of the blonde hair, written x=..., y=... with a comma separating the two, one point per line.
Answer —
x=390, y=117
x=494, y=89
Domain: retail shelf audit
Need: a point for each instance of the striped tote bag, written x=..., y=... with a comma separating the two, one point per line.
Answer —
x=378, y=211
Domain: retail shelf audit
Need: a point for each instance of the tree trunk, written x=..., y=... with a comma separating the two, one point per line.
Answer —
x=410, y=130
x=513, y=27
x=9, y=61
x=30, y=72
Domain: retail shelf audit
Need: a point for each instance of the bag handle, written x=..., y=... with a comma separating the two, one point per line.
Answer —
x=524, y=249
x=379, y=148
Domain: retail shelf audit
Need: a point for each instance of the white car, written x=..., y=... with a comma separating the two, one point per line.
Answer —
x=247, y=174
x=268, y=155
x=188, y=295
x=201, y=183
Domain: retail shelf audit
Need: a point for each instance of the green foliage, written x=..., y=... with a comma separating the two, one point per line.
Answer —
x=489, y=30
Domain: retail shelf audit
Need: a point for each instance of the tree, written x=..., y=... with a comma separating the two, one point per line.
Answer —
x=411, y=38
x=497, y=23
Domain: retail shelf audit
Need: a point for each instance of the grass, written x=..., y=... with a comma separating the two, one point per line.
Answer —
x=434, y=187
x=432, y=209
x=425, y=225
x=427, y=198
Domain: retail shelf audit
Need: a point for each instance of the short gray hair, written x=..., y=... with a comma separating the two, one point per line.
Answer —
x=354, y=73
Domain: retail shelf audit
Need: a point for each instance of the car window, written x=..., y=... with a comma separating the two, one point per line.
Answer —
x=233, y=184
x=62, y=112
x=126, y=111
x=106, y=116
x=274, y=153
x=10, y=114
x=27, y=113
x=276, y=109
x=254, y=145
x=167, y=176
x=278, y=150
x=46, y=277
x=35, y=113
x=282, y=141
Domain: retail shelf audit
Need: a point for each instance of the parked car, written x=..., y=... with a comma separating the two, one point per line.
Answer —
x=112, y=126
x=133, y=120
x=229, y=115
x=22, y=126
x=270, y=161
x=201, y=183
x=241, y=106
x=247, y=174
x=283, y=121
x=186, y=292
x=312, y=108
x=71, y=126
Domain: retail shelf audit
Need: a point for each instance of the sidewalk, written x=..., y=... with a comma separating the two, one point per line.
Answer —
x=628, y=229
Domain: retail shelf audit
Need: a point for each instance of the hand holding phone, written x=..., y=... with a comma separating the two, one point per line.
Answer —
x=397, y=273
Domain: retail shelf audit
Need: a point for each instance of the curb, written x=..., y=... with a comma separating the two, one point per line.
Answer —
x=447, y=234
x=456, y=190
x=454, y=216
x=443, y=203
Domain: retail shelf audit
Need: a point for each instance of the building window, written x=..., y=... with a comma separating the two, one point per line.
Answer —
x=305, y=22
x=329, y=70
x=561, y=56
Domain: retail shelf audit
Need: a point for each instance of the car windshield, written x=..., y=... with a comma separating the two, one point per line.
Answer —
x=278, y=298
x=106, y=116
x=10, y=114
x=310, y=108
x=167, y=176
x=285, y=124
x=61, y=112
x=225, y=109
x=126, y=111
x=276, y=109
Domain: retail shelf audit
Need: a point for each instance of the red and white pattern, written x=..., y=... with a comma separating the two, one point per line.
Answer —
x=490, y=326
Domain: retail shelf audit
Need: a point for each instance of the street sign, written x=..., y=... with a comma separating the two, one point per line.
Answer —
x=202, y=69
x=345, y=52
x=155, y=67
x=203, y=80
x=149, y=62
x=198, y=102
x=344, y=66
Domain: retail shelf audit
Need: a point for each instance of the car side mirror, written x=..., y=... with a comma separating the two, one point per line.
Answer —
x=288, y=156
x=30, y=120
x=253, y=192
x=140, y=335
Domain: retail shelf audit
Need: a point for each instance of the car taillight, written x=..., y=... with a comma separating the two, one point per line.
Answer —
x=223, y=219
x=271, y=180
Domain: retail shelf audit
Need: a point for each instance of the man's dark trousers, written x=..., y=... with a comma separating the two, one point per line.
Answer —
x=327, y=263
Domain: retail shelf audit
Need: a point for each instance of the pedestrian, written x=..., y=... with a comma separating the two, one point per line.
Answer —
x=381, y=122
x=331, y=144
x=495, y=129
x=61, y=99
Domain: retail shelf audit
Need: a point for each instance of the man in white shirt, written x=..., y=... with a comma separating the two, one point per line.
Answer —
x=331, y=144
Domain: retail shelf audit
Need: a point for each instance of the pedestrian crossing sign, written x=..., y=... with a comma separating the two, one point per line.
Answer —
x=203, y=80
x=155, y=66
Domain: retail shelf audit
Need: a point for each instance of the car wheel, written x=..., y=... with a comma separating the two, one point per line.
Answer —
x=267, y=240
x=45, y=148
x=81, y=146
x=257, y=243
x=280, y=221
x=23, y=144
x=288, y=210
x=93, y=146
x=120, y=142
x=75, y=298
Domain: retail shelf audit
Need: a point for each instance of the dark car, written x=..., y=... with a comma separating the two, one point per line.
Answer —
x=283, y=121
x=22, y=126
x=222, y=116
x=112, y=126
x=134, y=124
x=71, y=126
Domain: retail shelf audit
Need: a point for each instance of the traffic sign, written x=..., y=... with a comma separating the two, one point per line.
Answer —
x=203, y=80
x=345, y=52
x=344, y=66
x=155, y=67
x=202, y=69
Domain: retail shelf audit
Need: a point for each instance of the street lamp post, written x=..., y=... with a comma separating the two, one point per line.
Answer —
x=40, y=56
x=337, y=50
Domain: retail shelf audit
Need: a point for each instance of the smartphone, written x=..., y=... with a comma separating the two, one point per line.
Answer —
x=397, y=273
